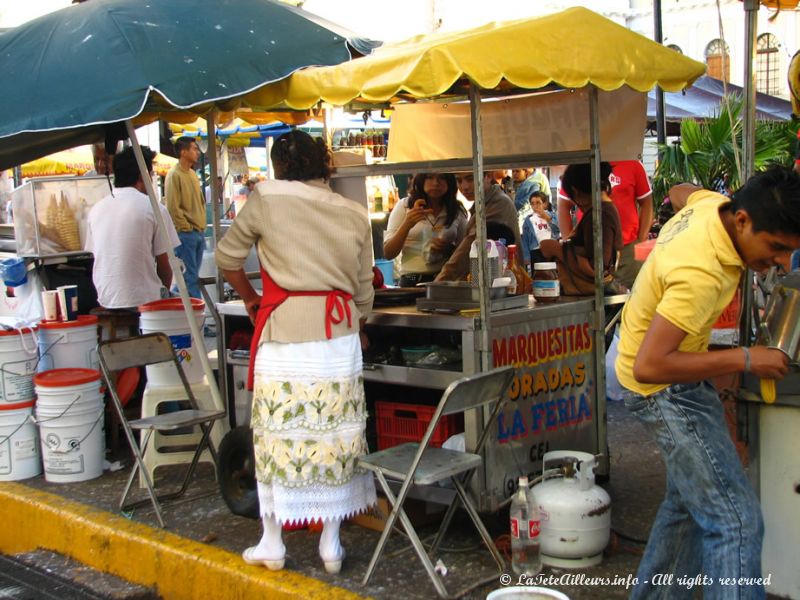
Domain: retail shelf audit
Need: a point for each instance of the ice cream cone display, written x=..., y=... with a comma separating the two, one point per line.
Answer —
x=60, y=226
x=67, y=226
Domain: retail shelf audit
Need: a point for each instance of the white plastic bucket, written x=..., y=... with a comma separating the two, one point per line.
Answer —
x=20, y=456
x=18, y=356
x=167, y=316
x=69, y=344
x=526, y=593
x=69, y=413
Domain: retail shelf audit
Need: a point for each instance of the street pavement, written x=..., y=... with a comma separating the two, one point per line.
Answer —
x=636, y=486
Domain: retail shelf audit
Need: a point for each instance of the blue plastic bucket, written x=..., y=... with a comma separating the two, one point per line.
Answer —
x=12, y=271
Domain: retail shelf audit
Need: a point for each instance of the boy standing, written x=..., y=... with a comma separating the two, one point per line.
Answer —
x=710, y=521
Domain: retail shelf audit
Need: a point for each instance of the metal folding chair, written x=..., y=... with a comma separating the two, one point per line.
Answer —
x=140, y=351
x=417, y=464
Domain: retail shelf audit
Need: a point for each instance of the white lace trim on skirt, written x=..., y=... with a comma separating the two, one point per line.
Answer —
x=317, y=501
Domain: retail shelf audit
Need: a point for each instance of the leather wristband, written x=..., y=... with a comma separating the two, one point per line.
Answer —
x=746, y=359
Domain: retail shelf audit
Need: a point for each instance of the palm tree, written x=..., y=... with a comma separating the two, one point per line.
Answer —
x=708, y=152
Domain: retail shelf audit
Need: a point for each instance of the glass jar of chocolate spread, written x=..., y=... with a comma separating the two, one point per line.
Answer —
x=545, y=282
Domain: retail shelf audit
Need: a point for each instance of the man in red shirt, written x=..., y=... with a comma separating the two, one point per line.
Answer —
x=633, y=197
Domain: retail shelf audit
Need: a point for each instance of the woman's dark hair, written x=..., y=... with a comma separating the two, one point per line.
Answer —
x=299, y=157
x=580, y=177
x=449, y=200
x=772, y=199
x=126, y=169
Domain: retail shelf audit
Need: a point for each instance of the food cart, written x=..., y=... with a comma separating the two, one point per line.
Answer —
x=474, y=101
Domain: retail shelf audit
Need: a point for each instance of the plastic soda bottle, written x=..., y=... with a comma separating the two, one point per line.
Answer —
x=525, y=525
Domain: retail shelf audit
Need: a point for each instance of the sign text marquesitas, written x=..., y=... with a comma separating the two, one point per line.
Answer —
x=551, y=369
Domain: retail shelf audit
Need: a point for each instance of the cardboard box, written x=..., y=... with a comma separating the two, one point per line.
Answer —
x=419, y=512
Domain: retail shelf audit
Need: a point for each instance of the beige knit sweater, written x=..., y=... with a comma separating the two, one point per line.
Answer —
x=184, y=200
x=307, y=238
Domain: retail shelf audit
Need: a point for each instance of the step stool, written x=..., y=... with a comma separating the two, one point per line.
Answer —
x=157, y=453
x=114, y=323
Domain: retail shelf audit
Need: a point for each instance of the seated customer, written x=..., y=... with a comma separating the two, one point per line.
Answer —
x=575, y=255
x=425, y=227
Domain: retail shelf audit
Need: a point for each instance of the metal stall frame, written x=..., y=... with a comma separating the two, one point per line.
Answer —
x=478, y=164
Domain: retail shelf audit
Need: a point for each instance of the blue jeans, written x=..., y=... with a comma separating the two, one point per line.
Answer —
x=191, y=253
x=710, y=521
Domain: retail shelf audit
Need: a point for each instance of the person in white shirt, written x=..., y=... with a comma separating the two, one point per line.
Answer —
x=131, y=266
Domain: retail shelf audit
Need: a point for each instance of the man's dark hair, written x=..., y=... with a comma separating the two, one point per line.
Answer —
x=184, y=143
x=499, y=231
x=772, y=199
x=580, y=177
x=301, y=156
x=126, y=169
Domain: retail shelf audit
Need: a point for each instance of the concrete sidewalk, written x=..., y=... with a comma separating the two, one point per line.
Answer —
x=198, y=555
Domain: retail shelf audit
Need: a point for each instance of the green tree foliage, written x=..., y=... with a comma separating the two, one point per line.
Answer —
x=709, y=151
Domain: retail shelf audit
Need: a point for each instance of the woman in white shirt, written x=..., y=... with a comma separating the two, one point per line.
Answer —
x=425, y=227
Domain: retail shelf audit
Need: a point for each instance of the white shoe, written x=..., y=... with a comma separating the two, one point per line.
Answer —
x=249, y=556
x=333, y=566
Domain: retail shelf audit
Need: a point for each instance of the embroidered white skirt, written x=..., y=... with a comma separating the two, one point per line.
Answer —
x=309, y=416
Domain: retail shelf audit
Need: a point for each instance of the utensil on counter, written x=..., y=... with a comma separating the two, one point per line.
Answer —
x=780, y=327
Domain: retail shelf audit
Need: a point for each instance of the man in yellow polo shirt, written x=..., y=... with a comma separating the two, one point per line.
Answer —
x=709, y=522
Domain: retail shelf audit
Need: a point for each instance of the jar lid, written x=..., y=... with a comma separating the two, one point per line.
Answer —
x=65, y=377
x=545, y=266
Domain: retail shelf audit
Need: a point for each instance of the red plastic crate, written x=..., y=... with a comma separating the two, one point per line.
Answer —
x=729, y=319
x=399, y=423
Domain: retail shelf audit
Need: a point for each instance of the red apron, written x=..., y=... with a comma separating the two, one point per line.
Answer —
x=337, y=307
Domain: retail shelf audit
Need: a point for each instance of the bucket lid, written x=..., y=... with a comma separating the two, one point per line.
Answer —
x=65, y=377
x=80, y=321
x=170, y=304
x=26, y=330
x=18, y=405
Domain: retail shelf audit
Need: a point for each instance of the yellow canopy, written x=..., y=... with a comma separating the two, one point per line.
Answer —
x=68, y=162
x=78, y=161
x=780, y=4
x=572, y=48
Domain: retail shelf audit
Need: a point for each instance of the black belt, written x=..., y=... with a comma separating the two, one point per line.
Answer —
x=412, y=279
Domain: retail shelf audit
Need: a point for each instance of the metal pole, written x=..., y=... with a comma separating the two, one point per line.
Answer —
x=748, y=150
x=220, y=426
x=661, y=129
x=216, y=192
x=599, y=295
x=480, y=225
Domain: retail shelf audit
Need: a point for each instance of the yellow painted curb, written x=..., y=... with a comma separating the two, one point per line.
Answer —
x=179, y=568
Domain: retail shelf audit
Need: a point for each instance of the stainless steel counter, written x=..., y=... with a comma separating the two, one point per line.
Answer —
x=554, y=403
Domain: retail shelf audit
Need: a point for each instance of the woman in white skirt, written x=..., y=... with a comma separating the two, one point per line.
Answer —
x=315, y=250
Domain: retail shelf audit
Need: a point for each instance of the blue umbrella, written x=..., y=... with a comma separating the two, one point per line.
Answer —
x=105, y=61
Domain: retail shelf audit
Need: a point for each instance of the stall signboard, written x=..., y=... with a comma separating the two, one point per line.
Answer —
x=555, y=121
x=552, y=398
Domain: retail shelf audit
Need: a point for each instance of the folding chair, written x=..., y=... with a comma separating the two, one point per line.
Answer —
x=140, y=351
x=417, y=464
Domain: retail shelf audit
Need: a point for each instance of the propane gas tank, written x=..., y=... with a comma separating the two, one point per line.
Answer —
x=575, y=513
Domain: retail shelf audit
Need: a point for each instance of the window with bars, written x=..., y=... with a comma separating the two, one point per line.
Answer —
x=768, y=66
x=718, y=60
